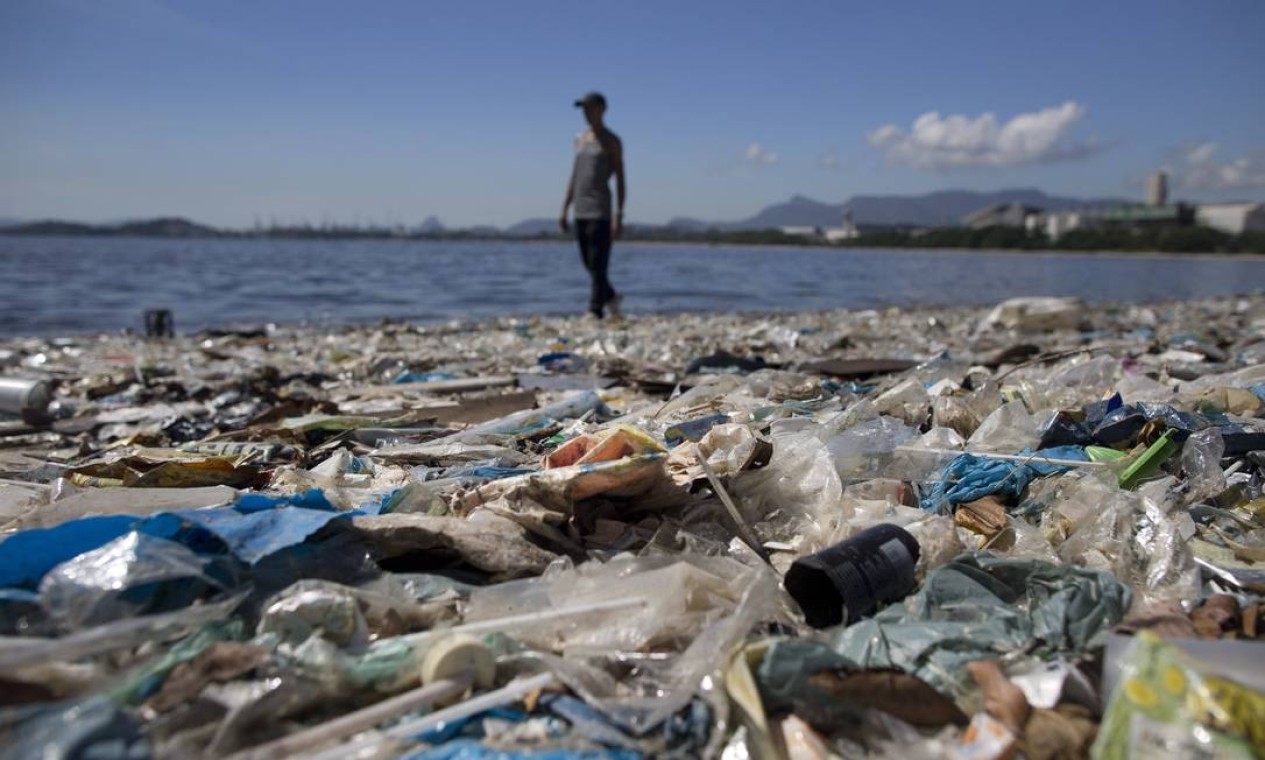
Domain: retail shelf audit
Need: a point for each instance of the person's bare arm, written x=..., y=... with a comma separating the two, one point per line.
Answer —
x=566, y=204
x=621, y=190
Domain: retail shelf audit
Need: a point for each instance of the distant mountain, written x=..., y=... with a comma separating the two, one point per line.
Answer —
x=795, y=212
x=165, y=227
x=162, y=227
x=52, y=227
x=431, y=226
x=942, y=208
x=10, y=222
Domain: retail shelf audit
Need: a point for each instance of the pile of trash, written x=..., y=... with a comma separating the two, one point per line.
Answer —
x=1036, y=531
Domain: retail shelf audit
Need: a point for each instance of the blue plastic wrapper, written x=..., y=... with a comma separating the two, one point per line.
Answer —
x=563, y=361
x=92, y=729
x=692, y=430
x=421, y=377
x=969, y=477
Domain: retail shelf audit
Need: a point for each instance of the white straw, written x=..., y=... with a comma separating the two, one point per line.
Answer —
x=405, y=732
x=744, y=531
x=484, y=626
x=360, y=720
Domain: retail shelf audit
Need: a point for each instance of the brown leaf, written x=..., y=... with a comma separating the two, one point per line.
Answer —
x=894, y=692
x=222, y=661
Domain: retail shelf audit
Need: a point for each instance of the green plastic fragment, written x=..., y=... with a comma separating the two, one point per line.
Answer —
x=1104, y=454
x=1148, y=464
x=145, y=680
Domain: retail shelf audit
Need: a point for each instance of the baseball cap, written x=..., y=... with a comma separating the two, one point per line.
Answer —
x=594, y=98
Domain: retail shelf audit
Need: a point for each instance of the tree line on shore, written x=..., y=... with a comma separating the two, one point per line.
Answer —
x=1115, y=238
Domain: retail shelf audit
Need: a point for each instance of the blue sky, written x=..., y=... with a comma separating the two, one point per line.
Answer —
x=228, y=111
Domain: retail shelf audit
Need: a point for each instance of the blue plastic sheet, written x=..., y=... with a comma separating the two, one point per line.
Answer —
x=310, y=499
x=258, y=525
x=969, y=477
x=468, y=749
x=251, y=536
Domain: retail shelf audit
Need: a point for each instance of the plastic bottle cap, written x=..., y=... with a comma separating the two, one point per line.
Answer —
x=457, y=654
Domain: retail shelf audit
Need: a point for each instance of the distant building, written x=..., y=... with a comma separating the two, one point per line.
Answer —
x=1157, y=189
x=848, y=231
x=1157, y=212
x=1056, y=224
x=1000, y=215
x=1234, y=218
x=1176, y=215
x=802, y=230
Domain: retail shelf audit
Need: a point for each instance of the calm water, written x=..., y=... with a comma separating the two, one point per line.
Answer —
x=70, y=285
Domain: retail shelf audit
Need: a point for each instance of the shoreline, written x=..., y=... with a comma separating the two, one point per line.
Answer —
x=952, y=315
x=1160, y=255
x=701, y=244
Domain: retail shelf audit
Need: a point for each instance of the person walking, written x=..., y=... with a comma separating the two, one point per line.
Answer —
x=599, y=154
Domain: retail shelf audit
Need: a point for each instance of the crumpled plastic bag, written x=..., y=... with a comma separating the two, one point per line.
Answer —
x=1008, y=429
x=907, y=401
x=728, y=450
x=135, y=574
x=693, y=611
x=1201, y=463
x=320, y=608
x=561, y=487
x=798, y=496
x=978, y=608
x=868, y=449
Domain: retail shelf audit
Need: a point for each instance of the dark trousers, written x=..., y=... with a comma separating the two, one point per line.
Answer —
x=594, y=237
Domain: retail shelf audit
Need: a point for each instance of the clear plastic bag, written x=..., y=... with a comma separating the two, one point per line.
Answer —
x=1008, y=430
x=319, y=608
x=693, y=612
x=866, y=450
x=907, y=401
x=135, y=574
x=1201, y=465
x=797, y=496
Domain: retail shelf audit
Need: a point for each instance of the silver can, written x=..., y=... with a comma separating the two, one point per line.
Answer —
x=27, y=398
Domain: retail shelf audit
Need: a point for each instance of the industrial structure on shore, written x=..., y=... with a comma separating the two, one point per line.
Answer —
x=1231, y=218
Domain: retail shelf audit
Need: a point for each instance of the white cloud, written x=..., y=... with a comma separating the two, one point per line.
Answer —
x=831, y=160
x=758, y=155
x=1200, y=169
x=958, y=141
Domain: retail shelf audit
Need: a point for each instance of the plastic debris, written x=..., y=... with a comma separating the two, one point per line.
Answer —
x=907, y=533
